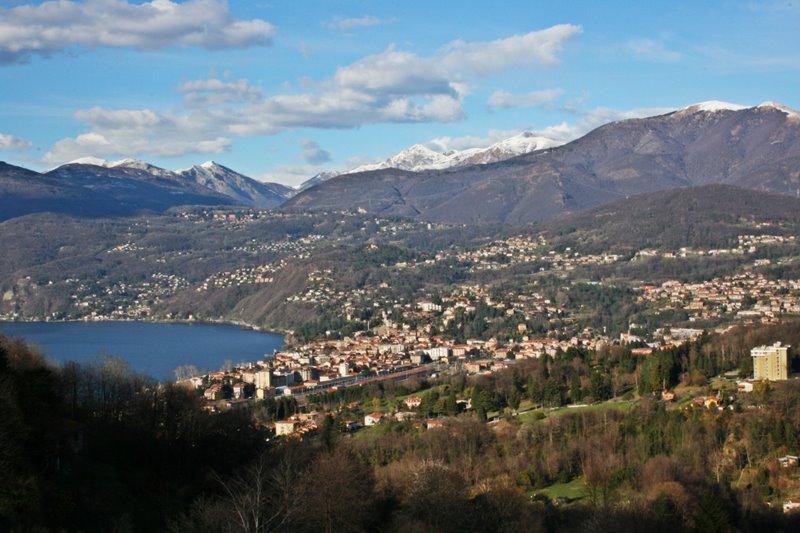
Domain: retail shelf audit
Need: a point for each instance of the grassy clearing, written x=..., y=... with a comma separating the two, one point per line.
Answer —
x=574, y=490
x=531, y=417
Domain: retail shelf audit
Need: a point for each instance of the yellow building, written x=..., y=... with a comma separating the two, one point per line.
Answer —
x=771, y=362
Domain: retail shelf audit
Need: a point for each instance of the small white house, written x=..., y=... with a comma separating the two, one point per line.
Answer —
x=373, y=419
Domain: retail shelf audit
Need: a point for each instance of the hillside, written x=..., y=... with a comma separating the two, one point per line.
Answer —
x=756, y=148
x=278, y=269
x=705, y=216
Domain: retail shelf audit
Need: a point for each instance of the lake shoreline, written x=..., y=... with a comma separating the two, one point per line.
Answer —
x=153, y=347
x=243, y=325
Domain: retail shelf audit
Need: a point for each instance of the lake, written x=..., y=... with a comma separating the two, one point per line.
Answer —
x=152, y=348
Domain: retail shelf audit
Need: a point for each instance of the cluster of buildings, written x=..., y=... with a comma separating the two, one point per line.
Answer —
x=748, y=295
x=253, y=275
x=519, y=249
x=283, y=247
x=122, y=300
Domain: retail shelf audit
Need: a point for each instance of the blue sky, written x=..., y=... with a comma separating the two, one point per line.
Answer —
x=282, y=90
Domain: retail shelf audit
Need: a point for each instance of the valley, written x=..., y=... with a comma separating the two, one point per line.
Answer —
x=729, y=262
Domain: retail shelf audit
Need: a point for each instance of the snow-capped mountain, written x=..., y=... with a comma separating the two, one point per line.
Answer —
x=419, y=157
x=134, y=164
x=241, y=188
x=146, y=184
x=708, y=143
x=316, y=179
x=715, y=106
x=711, y=106
x=524, y=143
x=793, y=114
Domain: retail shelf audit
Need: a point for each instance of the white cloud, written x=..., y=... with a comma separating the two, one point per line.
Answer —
x=595, y=118
x=394, y=72
x=564, y=131
x=393, y=86
x=446, y=144
x=292, y=175
x=487, y=57
x=12, y=143
x=653, y=50
x=506, y=100
x=399, y=86
x=55, y=26
x=128, y=132
x=342, y=23
x=214, y=92
x=311, y=152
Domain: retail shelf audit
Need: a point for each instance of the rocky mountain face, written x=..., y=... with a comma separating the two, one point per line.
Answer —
x=94, y=187
x=244, y=190
x=708, y=143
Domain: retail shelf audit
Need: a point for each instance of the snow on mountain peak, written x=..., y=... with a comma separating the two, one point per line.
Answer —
x=129, y=163
x=420, y=157
x=420, y=149
x=90, y=160
x=526, y=142
x=209, y=164
x=791, y=113
x=713, y=106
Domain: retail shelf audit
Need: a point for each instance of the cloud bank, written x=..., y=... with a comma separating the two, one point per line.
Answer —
x=505, y=100
x=390, y=87
x=56, y=26
x=12, y=143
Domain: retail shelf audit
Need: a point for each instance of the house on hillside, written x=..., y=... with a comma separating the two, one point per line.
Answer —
x=791, y=506
x=373, y=419
x=413, y=402
x=434, y=424
x=402, y=416
x=214, y=392
x=286, y=427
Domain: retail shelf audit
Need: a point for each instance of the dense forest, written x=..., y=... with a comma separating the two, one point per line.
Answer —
x=96, y=447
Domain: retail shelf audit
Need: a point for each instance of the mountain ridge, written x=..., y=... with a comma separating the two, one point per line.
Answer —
x=755, y=147
x=95, y=187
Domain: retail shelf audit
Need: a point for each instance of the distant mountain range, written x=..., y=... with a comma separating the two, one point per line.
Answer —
x=95, y=187
x=517, y=181
x=707, y=143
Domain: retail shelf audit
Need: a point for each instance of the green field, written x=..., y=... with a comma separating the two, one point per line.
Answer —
x=529, y=417
x=574, y=490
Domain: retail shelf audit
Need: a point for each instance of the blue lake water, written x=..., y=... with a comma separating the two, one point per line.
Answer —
x=155, y=349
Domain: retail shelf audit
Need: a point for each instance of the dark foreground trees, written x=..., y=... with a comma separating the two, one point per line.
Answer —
x=99, y=448
x=94, y=447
